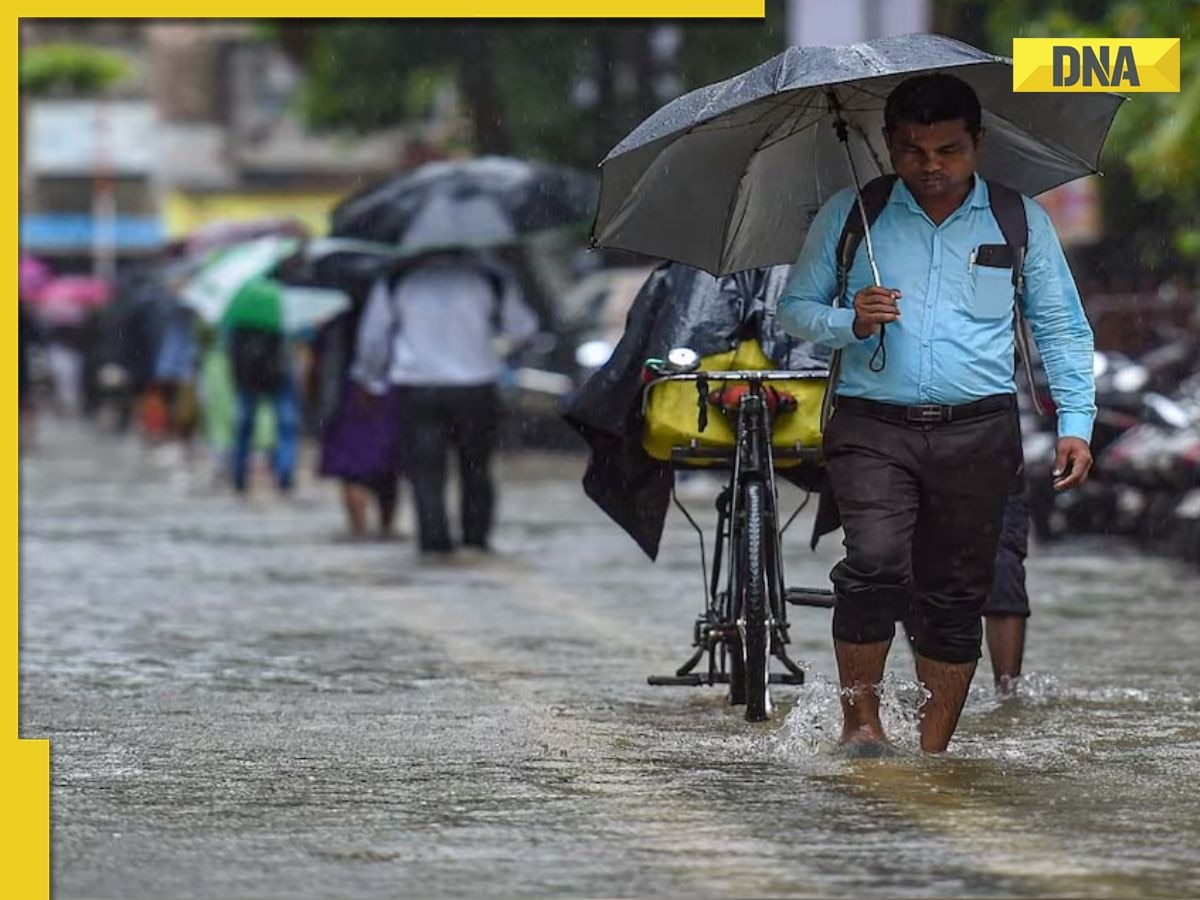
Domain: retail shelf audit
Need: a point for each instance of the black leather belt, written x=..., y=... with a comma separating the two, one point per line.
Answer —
x=930, y=414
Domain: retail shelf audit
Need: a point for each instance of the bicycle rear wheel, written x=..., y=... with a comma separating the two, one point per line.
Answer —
x=753, y=624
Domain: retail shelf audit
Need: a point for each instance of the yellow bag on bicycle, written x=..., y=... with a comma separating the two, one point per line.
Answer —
x=672, y=410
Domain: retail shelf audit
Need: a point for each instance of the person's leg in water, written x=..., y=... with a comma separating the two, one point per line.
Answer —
x=860, y=672
x=476, y=423
x=287, y=436
x=386, y=490
x=424, y=437
x=878, y=499
x=247, y=405
x=965, y=484
x=355, y=499
x=1007, y=607
x=1006, y=646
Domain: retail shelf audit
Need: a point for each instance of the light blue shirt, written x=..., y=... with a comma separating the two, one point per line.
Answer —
x=953, y=342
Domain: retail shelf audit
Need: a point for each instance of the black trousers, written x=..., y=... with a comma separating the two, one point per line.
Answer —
x=921, y=508
x=434, y=420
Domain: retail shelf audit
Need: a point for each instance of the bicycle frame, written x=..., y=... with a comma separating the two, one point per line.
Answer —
x=751, y=458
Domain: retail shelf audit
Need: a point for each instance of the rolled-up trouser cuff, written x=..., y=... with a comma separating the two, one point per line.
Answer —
x=860, y=629
x=956, y=640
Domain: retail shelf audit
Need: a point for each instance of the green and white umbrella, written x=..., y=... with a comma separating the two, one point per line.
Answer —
x=236, y=287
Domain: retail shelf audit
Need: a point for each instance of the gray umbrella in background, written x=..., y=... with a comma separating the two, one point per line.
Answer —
x=475, y=221
x=485, y=202
x=728, y=177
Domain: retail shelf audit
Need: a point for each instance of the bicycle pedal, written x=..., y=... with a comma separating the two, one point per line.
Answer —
x=694, y=679
x=817, y=597
x=787, y=678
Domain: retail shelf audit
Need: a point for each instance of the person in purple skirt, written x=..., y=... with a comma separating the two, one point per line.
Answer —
x=360, y=431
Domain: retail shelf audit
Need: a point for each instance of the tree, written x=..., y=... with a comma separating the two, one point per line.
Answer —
x=70, y=69
x=559, y=91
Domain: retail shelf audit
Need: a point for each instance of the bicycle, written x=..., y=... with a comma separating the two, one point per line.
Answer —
x=744, y=622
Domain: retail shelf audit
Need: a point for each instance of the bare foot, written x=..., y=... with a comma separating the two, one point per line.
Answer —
x=1008, y=686
x=865, y=742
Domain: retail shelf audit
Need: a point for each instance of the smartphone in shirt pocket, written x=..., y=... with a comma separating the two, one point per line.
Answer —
x=992, y=281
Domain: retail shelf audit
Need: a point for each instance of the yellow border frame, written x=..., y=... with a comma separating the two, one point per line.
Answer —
x=25, y=859
x=25, y=764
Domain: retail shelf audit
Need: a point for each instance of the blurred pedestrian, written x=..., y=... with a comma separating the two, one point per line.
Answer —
x=432, y=330
x=263, y=372
x=175, y=368
x=64, y=360
x=29, y=339
x=360, y=431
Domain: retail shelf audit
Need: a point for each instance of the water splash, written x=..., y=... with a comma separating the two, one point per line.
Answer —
x=1037, y=689
x=815, y=722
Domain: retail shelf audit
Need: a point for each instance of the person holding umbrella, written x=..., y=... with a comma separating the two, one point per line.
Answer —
x=240, y=289
x=778, y=150
x=429, y=332
x=923, y=450
x=432, y=326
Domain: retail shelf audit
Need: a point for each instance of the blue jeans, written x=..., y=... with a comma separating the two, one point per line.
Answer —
x=287, y=435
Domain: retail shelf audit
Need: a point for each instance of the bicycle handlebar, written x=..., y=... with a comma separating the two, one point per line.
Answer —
x=740, y=375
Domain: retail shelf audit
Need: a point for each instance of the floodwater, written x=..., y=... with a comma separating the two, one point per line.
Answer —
x=239, y=705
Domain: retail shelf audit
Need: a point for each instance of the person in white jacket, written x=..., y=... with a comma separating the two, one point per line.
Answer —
x=431, y=330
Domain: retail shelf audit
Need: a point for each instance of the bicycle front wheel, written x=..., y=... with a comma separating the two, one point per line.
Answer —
x=753, y=624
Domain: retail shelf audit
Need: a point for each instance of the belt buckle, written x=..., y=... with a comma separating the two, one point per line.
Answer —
x=927, y=413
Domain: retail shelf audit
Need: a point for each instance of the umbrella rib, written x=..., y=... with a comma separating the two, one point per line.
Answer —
x=781, y=101
x=768, y=107
x=870, y=147
x=783, y=137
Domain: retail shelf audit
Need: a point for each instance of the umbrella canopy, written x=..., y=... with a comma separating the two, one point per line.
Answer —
x=342, y=263
x=729, y=176
x=67, y=299
x=236, y=287
x=230, y=232
x=32, y=274
x=485, y=202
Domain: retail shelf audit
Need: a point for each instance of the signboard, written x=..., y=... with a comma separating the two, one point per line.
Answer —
x=72, y=137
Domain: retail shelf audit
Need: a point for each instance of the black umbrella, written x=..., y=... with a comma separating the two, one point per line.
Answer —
x=729, y=176
x=484, y=202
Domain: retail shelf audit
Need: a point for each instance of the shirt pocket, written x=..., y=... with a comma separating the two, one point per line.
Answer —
x=991, y=292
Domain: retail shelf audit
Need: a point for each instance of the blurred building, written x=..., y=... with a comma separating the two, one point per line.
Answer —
x=205, y=129
x=822, y=23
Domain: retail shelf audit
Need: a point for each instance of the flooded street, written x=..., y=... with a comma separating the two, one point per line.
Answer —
x=239, y=704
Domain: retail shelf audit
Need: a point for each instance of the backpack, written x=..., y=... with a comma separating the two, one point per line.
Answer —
x=259, y=359
x=1008, y=208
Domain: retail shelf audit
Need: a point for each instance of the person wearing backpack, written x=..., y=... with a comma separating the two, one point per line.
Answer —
x=922, y=446
x=431, y=332
x=262, y=372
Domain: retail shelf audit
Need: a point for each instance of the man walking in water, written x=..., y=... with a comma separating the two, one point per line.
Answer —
x=923, y=449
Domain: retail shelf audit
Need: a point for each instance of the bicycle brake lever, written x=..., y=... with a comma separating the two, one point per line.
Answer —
x=702, y=402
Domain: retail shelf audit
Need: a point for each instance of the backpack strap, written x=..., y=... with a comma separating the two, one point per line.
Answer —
x=875, y=194
x=496, y=282
x=1008, y=208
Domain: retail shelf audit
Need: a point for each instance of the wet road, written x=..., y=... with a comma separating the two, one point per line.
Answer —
x=241, y=706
